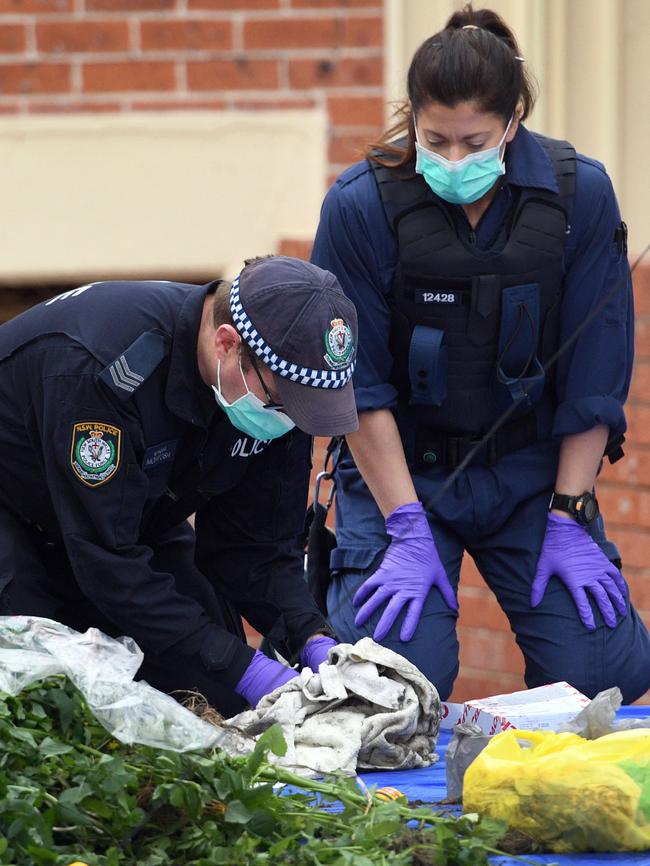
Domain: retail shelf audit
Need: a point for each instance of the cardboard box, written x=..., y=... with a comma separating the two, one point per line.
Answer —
x=543, y=708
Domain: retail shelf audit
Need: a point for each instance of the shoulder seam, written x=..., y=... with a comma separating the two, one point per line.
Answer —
x=356, y=172
x=595, y=163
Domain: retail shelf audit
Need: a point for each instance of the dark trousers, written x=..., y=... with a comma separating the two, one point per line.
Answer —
x=36, y=579
x=554, y=642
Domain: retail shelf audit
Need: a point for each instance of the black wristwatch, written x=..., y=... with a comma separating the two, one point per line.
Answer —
x=584, y=507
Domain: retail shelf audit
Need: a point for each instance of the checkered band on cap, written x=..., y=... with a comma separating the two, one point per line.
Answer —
x=302, y=375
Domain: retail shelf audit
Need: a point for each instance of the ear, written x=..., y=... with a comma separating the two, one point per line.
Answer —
x=226, y=342
x=514, y=126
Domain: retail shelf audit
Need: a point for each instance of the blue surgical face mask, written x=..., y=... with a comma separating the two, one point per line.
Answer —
x=249, y=414
x=465, y=180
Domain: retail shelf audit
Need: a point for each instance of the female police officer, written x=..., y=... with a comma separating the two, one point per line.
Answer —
x=474, y=251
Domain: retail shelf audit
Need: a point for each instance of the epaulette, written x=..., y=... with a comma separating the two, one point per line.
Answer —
x=129, y=370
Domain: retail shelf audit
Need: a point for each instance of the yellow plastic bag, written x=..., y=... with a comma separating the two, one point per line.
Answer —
x=568, y=793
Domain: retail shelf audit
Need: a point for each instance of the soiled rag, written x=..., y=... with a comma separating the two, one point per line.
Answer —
x=366, y=708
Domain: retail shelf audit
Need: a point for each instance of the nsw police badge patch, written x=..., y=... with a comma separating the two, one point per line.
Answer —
x=95, y=451
x=339, y=344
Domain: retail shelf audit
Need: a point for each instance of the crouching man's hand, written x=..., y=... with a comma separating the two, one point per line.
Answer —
x=261, y=677
x=315, y=651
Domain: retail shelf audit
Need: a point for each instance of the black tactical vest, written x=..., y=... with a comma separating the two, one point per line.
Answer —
x=472, y=329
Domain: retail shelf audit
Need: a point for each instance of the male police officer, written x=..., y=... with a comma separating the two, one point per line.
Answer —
x=127, y=406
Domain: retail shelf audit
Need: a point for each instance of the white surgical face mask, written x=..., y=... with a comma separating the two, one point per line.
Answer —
x=465, y=180
x=250, y=415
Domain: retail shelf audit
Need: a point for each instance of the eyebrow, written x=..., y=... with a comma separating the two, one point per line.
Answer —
x=464, y=138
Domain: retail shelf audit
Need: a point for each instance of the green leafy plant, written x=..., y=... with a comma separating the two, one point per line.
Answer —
x=69, y=792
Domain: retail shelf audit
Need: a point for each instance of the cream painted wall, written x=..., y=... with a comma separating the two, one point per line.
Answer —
x=155, y=194
x=590, y=58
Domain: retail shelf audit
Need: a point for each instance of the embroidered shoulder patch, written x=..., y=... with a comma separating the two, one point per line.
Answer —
x=95, y=451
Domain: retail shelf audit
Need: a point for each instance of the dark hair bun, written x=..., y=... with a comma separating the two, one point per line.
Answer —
x=483, y=19
x=474, y=59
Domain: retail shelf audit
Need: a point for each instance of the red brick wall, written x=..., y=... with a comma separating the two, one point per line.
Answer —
x=136, y=55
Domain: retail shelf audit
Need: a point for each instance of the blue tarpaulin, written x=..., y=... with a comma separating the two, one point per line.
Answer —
x=428, y=785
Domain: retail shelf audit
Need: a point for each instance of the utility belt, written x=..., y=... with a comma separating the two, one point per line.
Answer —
x=434, y=447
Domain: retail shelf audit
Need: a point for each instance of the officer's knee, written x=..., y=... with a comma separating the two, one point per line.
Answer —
x=632, y=678
x=444, y=685
x=440, y=671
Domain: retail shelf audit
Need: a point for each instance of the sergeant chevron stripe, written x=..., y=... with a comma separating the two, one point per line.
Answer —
x=123, y=376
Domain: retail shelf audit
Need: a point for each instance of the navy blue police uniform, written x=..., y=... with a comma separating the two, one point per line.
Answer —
x=458, y=326
x=109, y=440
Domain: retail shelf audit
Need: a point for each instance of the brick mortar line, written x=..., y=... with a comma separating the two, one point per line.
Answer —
x=199, y=54
x=341, y=52
x=284, y=73
x=31, y=48
x=334, y=12
x=483, y=592
x=359, y=129
x=317, y=93
x=614, y=528
x=238, y=33
x=135, y=37
x=76, y=78
x=245, y=15
x=465, y=671
x=180, y=76
x=193, y=95
x=484, y=632
x=615, y=485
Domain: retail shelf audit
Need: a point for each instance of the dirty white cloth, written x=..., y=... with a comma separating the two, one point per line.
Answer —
x=366, y=708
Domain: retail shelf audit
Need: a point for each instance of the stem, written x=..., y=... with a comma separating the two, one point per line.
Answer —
x=46, y=796
x=279, y=774
x=273, y=773
x=321, y=817
x=97, y=753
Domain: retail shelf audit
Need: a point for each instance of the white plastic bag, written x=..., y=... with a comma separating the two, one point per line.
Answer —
x=102, y=668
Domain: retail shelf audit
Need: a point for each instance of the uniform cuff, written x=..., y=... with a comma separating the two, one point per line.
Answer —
x=225, y=656
x=577, y=416
x=375, y=397
x=299, y=639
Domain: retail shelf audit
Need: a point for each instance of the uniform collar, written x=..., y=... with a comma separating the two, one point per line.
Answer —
x=186, y=393
x=527, y=163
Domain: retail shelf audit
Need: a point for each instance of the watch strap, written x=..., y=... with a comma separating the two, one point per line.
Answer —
x=562, y=502
x=576, y=506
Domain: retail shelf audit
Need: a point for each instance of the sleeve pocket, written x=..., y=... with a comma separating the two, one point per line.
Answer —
x=615, y=297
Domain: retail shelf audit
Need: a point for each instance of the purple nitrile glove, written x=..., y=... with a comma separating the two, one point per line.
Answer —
x=315, y=651
x=261, y=677
x=571, y=554
x=410, y=567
